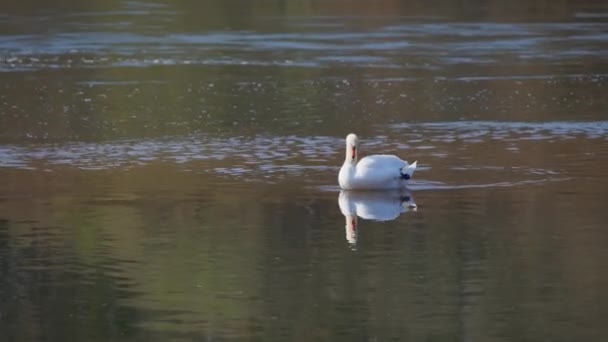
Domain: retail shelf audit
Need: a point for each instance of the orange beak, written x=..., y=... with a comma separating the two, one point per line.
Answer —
x=354, y=153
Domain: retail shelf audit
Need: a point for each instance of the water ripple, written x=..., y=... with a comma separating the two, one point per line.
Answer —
x=282, y=154
x=435, y=185
x=268, y=158
x=383, y=47
x=477, y=131
x=261, y=151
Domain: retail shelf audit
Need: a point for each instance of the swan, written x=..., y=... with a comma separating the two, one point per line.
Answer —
x=372, y=205
x=376, y=172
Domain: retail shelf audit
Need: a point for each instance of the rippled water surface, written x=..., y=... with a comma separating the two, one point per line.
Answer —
x=168, y=171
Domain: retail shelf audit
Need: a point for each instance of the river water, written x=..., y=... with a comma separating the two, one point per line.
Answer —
x=168, y=171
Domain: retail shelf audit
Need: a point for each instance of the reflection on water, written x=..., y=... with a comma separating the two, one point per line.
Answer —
x=168, y=170
x=372, y=205
x=156, y=250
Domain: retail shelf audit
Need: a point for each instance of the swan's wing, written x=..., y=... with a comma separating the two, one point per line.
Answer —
x=379, y=168
x=380, y=172
x=383, y=161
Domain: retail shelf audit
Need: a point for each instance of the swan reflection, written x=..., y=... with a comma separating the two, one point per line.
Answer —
x=372, y=205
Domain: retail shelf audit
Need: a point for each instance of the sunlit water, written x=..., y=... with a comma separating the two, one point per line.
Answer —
x=169, y=172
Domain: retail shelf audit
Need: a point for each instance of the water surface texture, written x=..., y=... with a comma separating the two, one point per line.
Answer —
x=168, y=170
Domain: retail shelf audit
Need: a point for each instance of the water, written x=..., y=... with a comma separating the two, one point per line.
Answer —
x=169, y=171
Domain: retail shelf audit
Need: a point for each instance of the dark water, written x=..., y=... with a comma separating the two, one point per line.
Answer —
x=168, y=171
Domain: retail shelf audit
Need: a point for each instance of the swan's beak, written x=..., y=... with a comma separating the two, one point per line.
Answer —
x=354, y=154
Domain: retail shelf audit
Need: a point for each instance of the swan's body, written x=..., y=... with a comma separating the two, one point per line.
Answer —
x=376, y=172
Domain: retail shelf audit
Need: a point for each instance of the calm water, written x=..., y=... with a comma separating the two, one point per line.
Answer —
x=168, y=171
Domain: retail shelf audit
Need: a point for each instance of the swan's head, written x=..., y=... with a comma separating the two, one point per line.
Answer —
x=351, y=147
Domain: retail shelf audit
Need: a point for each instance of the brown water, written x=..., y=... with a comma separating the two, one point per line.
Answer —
x=168, y=171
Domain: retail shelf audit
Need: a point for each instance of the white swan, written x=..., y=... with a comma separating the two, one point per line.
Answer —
x=372, y=205
x=376, y=172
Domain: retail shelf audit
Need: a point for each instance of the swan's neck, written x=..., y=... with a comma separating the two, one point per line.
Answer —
x=346, y=175
x=351, y=155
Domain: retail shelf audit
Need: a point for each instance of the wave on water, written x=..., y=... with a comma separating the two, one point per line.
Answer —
x=427, y=185
x=291, y=154
x=79, y=43
x=268, y=154
x=432, y=185
x=506, y=131
x=277, y=158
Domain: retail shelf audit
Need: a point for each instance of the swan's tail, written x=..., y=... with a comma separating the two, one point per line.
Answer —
x=409, y=170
